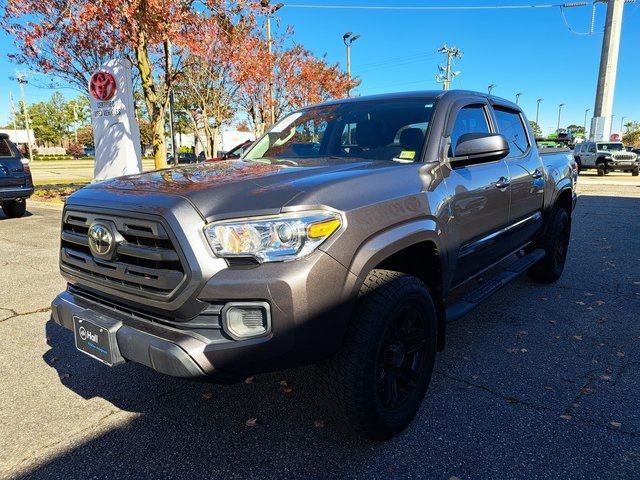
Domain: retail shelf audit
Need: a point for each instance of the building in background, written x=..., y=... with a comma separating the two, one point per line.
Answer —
x=21, y=137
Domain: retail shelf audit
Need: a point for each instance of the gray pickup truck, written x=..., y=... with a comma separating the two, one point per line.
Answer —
x=16, y=185
x=337, y=239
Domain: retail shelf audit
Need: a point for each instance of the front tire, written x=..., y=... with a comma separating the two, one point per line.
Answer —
x=14, y=208
x=635, y=172
x=376, y=384
x=555, y=243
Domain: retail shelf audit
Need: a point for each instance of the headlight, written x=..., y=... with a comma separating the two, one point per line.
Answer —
x=271, y=239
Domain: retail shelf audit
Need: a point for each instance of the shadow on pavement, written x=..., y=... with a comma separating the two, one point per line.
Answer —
x=494, y=409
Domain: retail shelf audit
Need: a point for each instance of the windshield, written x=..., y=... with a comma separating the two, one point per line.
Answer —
x=611, y=146
x=392, y=130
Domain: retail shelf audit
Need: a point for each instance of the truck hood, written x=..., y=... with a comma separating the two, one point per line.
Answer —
x=237, y=187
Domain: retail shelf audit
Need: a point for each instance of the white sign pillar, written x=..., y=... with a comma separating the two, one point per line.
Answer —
x=115, y=130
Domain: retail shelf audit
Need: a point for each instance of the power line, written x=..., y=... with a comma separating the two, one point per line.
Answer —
x=438, y=7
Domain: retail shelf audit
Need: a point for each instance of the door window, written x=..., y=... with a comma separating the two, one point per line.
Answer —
x=470, y=119
x=511, y=127
x=5, y=151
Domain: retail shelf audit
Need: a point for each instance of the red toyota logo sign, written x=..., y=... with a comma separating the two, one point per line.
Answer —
x=102, y=86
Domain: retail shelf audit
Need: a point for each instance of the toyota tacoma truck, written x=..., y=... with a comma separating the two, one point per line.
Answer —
x=337, y=239
x=16, y=184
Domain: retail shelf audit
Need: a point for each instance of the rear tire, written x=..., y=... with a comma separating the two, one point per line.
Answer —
x=555, y=243
x=376, y=384
x=14, y=208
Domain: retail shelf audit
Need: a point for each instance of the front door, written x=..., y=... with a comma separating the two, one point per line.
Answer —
x=478, y=200
x=526, y=172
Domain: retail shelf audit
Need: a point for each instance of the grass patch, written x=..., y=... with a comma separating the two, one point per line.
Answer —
x=56, y=193
x=61, y=182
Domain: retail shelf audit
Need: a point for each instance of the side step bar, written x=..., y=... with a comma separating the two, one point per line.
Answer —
x=474, y=298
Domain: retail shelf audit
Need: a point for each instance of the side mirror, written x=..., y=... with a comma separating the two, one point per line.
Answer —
x=480, y=147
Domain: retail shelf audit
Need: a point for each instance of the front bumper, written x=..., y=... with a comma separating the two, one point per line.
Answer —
x=309, y=305
x=622, y=165
x=14, y=193
x=163, y=349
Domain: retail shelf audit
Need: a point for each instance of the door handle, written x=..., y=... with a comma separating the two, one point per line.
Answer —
x=537, y=173
x=503, y=182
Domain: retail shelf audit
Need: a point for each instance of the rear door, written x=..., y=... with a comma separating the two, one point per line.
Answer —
x=478, y=196
x=526, y=171
x=11, y=168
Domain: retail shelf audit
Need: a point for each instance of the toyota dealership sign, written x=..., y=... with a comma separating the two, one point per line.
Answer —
x=115, y=130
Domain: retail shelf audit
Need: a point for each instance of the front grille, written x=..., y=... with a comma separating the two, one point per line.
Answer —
x=624, y=156
x=146, y=261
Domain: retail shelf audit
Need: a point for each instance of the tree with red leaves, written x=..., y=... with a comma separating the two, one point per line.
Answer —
x=71, y=38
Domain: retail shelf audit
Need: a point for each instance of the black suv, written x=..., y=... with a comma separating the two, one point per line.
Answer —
x=16, y=184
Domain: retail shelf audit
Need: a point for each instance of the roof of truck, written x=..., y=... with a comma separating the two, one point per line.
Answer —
x=418, y=94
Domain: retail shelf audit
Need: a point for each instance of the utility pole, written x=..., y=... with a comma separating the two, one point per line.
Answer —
x=269, y=10
x=446, y=74
x=538, y=110
x=491, y=87
x=25, y=111
x=559, y=112
x=585, y=122
x=13, y=113
x=348, y=38
x=75, y=121
x=601, y=121
x=518, y=97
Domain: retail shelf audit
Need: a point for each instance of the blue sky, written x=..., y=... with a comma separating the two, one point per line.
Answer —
x=520, y=50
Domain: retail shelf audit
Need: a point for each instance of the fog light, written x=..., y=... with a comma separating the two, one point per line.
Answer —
x=246, y=319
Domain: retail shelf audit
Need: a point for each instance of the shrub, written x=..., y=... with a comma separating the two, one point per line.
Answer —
x=75, y=150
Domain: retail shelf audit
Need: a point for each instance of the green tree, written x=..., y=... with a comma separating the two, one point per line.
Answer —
x=632, y=136
x=537, y=131
x=576, y=130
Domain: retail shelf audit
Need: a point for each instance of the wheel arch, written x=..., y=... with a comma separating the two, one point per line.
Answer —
x=413, y=248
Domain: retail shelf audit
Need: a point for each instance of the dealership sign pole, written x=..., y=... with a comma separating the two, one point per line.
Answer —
x=115, y=130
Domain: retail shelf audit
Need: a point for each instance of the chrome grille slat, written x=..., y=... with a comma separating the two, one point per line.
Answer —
x=146, y=260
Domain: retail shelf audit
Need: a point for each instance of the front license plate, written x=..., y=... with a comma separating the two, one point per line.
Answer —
x=94, y=340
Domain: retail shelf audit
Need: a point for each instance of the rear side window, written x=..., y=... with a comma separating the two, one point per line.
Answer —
x=5, y=150
x=510, y=125
x=470, y=119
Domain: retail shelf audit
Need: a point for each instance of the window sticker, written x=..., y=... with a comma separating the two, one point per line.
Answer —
x=407, y=155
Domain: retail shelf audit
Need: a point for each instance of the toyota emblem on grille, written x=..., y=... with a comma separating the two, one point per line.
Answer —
x=102, y=242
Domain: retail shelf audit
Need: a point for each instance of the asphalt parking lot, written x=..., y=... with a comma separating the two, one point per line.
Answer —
x=538, y=382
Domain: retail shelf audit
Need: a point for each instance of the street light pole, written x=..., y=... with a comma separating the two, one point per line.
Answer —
x=518, y=97
x=13, y=113
x=622, y=124
x=270, y=10
x=22, y=80
x=559, y=111
x=585, y=122
x=538, y=110
x=491, y=87
x=348, y=38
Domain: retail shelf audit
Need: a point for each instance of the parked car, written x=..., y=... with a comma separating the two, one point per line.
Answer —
x=183, y=158
x=16, y=184
x=235, y=152
x=606, y=157
x=345, y=253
